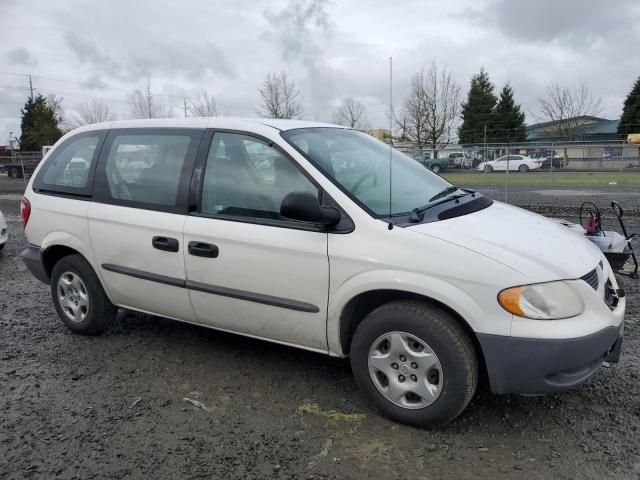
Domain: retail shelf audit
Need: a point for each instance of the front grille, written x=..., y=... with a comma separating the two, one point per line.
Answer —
x=591, y=278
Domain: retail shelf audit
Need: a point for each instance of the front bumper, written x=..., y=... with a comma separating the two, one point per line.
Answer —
x=32, y=258
x=541, y=366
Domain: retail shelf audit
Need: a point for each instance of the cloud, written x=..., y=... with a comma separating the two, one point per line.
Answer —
x=300, y=29
x=579, y=23
x=21, y=56
x=331, y=49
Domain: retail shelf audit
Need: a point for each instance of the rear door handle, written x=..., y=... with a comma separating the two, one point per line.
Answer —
x=166, y=244
x=202, y=249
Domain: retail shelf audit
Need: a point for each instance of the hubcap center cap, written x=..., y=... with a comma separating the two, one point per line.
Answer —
x=405, y=369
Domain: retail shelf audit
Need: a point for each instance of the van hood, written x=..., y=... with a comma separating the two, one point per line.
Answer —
x=538, y=248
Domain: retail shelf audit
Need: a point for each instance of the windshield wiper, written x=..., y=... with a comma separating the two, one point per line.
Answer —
x=444, y=193
x=417, y=214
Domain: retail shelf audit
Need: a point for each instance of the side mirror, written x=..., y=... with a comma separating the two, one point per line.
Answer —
x=304, y=206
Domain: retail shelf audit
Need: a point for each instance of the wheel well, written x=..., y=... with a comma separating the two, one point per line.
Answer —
x=360, y=306
x=53, y=254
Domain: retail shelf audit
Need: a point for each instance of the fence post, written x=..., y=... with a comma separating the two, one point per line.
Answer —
x=506, y=178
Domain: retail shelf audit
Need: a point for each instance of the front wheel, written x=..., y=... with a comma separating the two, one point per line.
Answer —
x=488, y=169
x=78, y=296
x=415, y=363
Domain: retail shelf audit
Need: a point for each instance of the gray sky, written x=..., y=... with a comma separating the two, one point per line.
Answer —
x=331, y=49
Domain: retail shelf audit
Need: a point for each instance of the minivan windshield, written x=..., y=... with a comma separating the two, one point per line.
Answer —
x=359, y=165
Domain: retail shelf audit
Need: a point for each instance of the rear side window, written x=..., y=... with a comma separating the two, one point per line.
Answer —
x=147, y=169
x=69, y=168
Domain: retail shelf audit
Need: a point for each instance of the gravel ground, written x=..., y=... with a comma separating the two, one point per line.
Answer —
x=153, y=398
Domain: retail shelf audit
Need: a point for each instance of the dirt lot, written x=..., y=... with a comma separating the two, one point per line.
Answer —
x=114, y=406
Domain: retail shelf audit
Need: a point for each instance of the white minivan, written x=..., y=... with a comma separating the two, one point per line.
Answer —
x=256, y=226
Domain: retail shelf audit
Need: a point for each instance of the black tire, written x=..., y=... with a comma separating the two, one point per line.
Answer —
x=435, y=168
x=13, y=173
x=523, y=169
x=101, y=311
x=444, y=336
x=2, y=246
x=488, y=168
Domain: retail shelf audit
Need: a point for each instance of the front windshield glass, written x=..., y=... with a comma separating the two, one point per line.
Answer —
x=359, y=164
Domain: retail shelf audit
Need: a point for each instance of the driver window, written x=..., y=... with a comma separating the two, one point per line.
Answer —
x=247, y=177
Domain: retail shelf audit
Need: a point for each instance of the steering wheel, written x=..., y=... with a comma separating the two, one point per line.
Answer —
x=369, y=173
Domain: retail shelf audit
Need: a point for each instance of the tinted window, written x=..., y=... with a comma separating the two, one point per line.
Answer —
x=248, y=177
x=146, y=168
x=69, y=167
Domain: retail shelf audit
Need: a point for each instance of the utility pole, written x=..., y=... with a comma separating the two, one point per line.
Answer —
x=185, y=107
x=31, y=87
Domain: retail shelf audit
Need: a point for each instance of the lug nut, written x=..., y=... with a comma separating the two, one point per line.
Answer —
x=414, y=365
x=414, y=378
x=394, y=366
x=403, y=358
x=401, y=378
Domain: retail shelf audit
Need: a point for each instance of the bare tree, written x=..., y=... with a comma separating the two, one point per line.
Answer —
x=352, y=114
x=142, y=103
x=401, y=122
x=203, y=105
x=92, y=111
x=431, y=110
x=280, y=97
x=565, y=105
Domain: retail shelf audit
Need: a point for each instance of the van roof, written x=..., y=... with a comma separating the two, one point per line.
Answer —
x=210, y=122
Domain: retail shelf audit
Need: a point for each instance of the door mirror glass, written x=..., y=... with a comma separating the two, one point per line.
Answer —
x=305, y=207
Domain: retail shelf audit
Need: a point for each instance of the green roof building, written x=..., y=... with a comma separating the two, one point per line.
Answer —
x=584, y=128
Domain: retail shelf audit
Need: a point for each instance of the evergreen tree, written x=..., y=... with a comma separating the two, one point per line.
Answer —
x=40, y=124
x=477, y=111
x=507, y=123
x=630, y=120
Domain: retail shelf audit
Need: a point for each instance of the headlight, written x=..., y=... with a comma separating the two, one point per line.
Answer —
x=542, y=301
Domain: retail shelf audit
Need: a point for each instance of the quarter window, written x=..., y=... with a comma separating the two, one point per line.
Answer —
x=146, y=169
x=68, y=170
x=248, y=177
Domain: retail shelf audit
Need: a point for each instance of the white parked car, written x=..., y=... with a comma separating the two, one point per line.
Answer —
x=513, y=163
x=426, y=294
x=3, y=232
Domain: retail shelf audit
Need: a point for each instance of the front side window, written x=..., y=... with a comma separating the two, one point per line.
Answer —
x=147, y=168
x=359, y=164
x=247, y=177
x=69, y=167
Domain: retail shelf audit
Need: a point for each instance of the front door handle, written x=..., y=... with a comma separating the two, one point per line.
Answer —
x=202, y=249
x=166, y=244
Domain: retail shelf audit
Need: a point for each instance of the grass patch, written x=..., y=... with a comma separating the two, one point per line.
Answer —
x=593, y=179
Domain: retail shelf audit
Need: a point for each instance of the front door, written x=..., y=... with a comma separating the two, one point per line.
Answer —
x=136, y=220
x=248, y=269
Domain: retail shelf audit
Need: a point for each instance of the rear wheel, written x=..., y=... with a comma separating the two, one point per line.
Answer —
x=415, y=363
x=523, y=168
x=78, y=296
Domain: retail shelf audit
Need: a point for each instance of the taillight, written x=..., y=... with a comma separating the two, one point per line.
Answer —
x=25, y=211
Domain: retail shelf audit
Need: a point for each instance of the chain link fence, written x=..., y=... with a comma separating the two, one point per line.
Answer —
x=555, y=174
